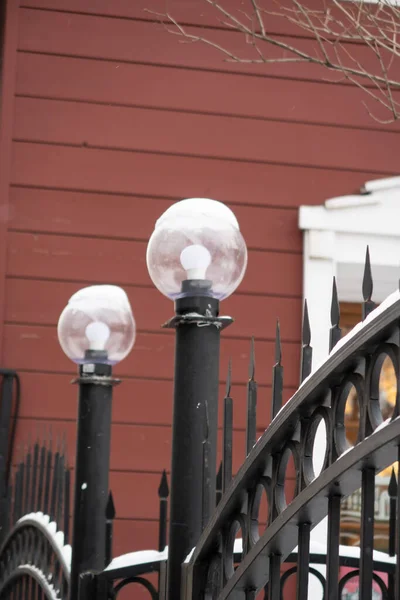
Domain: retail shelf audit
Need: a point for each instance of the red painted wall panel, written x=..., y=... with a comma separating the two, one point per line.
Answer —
x=115, y=120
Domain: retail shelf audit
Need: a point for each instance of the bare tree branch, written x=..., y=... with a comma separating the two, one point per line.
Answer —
x=340, y=30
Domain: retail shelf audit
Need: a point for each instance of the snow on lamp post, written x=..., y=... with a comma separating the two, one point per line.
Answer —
x=196, y=256
x=96, y=330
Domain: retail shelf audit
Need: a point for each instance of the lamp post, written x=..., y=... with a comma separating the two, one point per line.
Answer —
x=96, y=330
x=196, y=256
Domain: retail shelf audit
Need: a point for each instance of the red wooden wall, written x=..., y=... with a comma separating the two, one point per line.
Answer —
x=107, y=119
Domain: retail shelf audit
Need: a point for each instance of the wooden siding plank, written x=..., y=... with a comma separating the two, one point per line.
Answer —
x=51, y=396
x=197, y=12
x=36, y=348
x=124, y=262
x=46, y=211
x=131, y=535
x=121, y=172
x=8, y=55
x=139, y=129
x=147, y=42
x=188, y=90
x=254, y=315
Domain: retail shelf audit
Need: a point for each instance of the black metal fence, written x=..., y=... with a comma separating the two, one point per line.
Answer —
x=258, y=537
x=35, y=551
x=9, y=404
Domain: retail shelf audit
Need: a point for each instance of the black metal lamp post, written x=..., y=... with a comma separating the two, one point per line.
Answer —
x=96, y=330
x=196, y=256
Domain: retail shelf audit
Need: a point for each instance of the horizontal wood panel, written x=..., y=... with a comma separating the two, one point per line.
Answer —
x=36, y=348
x=254, y=315
x=133, y=447
x=121, y=172
x=140, y=129
x=115, y=261
x=50, y=211
x=198, y=12
x=131, y=535
x=141, y=41
x=139, y=401
x=183, y=89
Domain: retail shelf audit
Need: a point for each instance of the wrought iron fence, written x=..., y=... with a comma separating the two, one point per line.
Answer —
x=8, y=398
x=35, y=553
x=355, y=361
x=243, y=554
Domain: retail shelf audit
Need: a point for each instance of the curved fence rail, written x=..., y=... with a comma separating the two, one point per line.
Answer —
x=34, y=563
x=354, y=365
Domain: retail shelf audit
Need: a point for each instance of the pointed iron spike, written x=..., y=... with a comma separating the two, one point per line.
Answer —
x=392, y=488
x=306, y=333
x=335, y=307
x=278, y=346
x=163, y=490
x=367, y=284
x=229, y=379
x=252, y=361
x=110, y=508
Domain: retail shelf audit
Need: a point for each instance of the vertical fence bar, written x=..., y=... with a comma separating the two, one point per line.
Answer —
x=274, y=584
x=42, y=467
x=163, y=493
x=28, y=468
x=251, y=402
x=34, y=476
x=397, y=548
x=60, y=491
x=6, y=399
x=228, y=433
x=392, y=491
x=277, y=375
x=21, y=488
x=17, y=497
x=49, y=460
x=303, y=562
x=306, y=349
x=54, y=487
x=67, y=503
x=218, y=487
x=367, y=533
x=332, y=557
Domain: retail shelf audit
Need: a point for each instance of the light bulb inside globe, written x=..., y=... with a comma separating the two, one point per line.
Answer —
x=98, y=334
x=195, y=259
x=197, y=249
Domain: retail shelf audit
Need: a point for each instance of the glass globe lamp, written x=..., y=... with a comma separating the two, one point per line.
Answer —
x=197, y=248
x=97, y=325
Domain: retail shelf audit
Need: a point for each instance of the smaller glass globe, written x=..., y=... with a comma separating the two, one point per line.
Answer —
x=197, y=239
x=97, y=319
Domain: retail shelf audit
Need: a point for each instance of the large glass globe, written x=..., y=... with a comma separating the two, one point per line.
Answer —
x=197, y=239
x=99, y=319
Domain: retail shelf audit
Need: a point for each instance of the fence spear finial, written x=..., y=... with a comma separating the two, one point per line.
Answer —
x=335, y=331
x=277, y=374
x=367, y=287
x=306, y=350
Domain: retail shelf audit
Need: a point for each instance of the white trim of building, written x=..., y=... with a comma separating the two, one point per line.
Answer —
x=336, y=235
